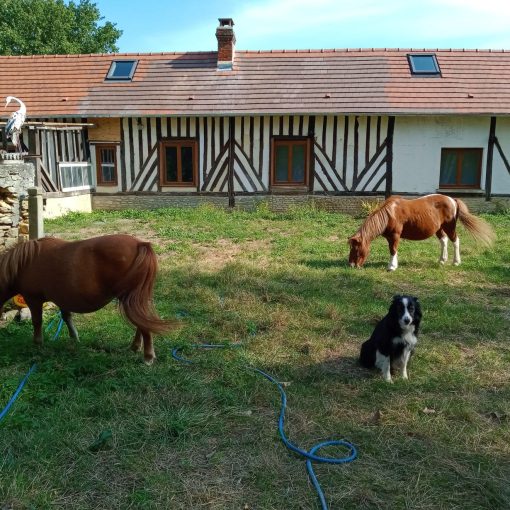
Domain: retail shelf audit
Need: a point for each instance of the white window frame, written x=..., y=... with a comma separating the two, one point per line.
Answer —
x=86, y=169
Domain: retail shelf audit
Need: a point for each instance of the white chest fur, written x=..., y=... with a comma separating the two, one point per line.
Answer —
x=408, y=338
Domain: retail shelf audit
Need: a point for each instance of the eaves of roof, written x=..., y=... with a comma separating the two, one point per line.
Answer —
x=279, y=82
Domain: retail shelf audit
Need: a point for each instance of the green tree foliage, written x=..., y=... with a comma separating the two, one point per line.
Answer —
x=44, y=27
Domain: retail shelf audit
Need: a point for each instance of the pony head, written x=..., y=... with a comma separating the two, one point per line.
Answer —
x=359, y=251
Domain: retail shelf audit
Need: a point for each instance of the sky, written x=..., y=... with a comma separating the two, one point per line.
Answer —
x=189, y=25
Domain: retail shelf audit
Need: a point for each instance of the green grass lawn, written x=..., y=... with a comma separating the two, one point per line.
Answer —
x=97, y=429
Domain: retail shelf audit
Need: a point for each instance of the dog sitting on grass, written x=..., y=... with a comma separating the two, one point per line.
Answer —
x=394, y=338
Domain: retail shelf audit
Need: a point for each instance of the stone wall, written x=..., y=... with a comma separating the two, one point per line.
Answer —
x=279, y=203
x=346, y=204
x=15, y=178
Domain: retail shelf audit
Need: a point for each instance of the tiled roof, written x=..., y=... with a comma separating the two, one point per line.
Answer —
x=365, y=81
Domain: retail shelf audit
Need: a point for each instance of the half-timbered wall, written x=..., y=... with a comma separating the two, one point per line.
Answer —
x=349, y=153
x=54, y=146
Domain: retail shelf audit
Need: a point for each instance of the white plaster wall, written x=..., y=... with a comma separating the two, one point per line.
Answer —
x=58, y=206
x=417, y=150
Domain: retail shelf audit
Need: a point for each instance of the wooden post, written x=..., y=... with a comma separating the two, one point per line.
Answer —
x=490, y=157
x=35, y=213
x=389, y=157
x=231, y=155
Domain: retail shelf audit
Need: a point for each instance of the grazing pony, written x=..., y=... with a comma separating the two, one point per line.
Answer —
x=84, y=276
x=417, y=219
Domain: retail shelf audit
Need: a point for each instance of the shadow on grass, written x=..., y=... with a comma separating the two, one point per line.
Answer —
x=324, y=264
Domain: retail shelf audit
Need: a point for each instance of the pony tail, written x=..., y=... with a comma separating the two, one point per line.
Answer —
x=477, y=227
x=136, y=304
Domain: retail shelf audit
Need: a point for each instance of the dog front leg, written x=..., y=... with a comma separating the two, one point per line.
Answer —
x=405, y=359
x=383, y=363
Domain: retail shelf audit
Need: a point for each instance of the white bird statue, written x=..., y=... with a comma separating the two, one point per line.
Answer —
x=16, y=120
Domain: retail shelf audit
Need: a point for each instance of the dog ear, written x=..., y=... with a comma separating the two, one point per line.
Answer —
x=354, y=240
x=417, y=313
x=396, y=297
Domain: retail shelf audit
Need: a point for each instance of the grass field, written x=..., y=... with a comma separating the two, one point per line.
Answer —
x=97, y=429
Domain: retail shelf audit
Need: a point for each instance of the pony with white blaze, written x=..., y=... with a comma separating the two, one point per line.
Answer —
x=416, y=220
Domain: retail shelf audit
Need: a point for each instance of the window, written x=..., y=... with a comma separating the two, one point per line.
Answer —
x=424, y=64
x=106, y=165
x=178, y=163
x=122, y=70
x=75, y=176
x=461, y=168
x=290, y=162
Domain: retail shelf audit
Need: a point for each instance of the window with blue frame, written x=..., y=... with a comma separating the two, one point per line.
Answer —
x=122, y=70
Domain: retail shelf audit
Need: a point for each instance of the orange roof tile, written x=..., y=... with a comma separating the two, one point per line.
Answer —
x=360, y=81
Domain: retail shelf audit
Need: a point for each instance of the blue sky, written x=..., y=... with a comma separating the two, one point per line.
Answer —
x=189, y=25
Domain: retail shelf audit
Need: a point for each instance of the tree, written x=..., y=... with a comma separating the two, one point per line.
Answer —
x=45, y=27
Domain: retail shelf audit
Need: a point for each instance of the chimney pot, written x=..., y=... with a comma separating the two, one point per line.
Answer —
x=226, y=22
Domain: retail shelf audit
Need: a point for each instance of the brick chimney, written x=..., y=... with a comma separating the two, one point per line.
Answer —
x=226, y=44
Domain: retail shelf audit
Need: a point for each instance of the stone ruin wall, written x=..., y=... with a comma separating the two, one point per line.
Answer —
x=15, y=178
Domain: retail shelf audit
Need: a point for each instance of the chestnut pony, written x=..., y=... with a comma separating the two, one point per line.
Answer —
x=83, y=276
x=417, y=219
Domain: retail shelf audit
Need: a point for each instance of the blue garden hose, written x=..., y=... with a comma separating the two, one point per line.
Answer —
x=56, y=317
x=5, y=410
x=309, y=455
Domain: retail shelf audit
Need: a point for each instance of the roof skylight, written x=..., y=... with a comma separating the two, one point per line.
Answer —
x=424, y=64
x=122, y=70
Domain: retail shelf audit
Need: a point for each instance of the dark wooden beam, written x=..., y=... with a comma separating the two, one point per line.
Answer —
x=389, y=156
x=490, y=157
x=231, y=156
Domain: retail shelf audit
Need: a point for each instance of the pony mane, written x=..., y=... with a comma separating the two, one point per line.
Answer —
x=376, y=222
x=14, y=260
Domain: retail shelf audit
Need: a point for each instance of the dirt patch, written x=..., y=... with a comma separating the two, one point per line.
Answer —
x=216, y=257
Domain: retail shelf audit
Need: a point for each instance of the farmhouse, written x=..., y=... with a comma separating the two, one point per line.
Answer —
x=236, y=127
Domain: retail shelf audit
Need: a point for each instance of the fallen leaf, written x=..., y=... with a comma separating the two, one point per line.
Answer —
x=428, y=411
x=376, y=417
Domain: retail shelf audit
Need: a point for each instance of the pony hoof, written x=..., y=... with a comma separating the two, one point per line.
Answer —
x=149, y=361
x=391, y=268
x=456, y=263
x=135, y=347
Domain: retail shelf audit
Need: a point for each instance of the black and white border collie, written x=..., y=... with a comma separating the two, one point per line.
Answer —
x=394, y=338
